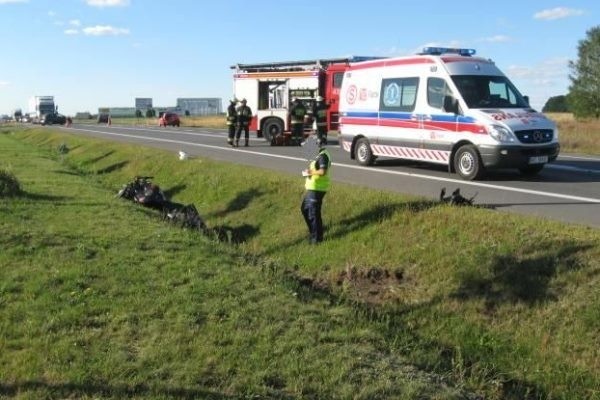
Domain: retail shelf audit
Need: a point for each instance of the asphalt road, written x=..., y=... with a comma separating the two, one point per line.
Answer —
x=567, y=190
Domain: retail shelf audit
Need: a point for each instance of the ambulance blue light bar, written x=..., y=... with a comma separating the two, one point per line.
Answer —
x=438, y=51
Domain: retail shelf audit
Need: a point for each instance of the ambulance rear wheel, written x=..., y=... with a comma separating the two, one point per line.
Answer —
x=271, y=129
x=363, y=153
x=467, y=163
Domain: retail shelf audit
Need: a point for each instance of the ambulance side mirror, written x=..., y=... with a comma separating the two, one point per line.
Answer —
x=450, y=104
x=526, y=98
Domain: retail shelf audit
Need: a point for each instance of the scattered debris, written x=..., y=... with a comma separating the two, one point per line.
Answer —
x=183, y=155
x=143, y=191
x=456, y=199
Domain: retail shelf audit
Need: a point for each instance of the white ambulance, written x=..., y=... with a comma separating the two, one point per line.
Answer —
x=442, y=106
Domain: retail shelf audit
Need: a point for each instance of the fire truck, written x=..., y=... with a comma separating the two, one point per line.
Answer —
x=270, y=87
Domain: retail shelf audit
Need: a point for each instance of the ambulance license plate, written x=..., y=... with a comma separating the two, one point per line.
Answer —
x=538, y=160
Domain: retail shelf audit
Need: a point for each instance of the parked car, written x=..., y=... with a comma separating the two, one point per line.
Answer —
x=103, y=118
x=169, y=118
x=53, y=119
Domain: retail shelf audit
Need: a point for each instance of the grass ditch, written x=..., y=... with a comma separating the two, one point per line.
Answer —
x=406, y=298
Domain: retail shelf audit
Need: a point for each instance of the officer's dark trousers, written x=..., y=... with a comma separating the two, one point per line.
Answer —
x=311, y=210
x=297, y=132
x=231, y=133
x=246, y=130
x=322, y=132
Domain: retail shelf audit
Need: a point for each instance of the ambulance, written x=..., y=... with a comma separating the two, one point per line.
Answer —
x=442, y=106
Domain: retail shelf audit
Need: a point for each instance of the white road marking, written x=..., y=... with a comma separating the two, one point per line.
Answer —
x=358, y=167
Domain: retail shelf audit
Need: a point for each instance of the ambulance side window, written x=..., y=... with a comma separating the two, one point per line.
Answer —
x=436, y=90
x=398, y=94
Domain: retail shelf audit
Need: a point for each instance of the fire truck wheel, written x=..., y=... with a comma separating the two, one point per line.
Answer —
x=467, y=163
x=271, y=129
x=363, y=152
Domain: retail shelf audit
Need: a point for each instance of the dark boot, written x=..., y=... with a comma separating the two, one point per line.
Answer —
x=237, y=143
x=246, y=144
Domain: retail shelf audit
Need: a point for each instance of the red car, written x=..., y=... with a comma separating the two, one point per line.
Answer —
x=168, y=118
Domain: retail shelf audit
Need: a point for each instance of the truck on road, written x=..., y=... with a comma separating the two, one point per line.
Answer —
x=270, y=87
x=40, y=106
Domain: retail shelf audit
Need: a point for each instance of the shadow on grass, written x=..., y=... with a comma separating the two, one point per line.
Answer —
x=96, y=159
x=240, y=201
x=375, y=215
x=171, y=192
x=346, y=226
x=520, y=279
x=73, y=173
x=68, y=390
x=112, y=168
x=42, y=197
x=234, y=235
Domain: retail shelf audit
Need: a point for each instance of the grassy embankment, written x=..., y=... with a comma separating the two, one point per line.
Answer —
x=576, y=136
x=405, y=298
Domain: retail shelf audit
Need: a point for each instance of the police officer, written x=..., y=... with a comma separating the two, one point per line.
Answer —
x=320, y=115
x=231, y=120
x=316, y=184
x=297, y=114
x=244, y=115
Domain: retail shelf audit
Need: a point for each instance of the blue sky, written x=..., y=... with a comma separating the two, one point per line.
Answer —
x=96, y=53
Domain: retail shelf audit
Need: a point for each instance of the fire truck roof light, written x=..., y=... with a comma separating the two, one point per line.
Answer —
x=437, y=51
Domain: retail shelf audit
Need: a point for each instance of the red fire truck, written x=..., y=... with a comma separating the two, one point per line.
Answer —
x=270, y=87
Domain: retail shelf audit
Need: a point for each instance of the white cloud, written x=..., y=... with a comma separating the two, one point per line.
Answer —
x=4, y=83
x=105, y=30
x=75, y=22
x=107, y=3
x=495, y=39
x=13, y=1
x=557, y=13
x=541, y=81
x=71, y=32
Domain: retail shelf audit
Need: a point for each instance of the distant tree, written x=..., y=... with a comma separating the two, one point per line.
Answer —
x=584, y=98
x=556, y=104
x=150, y=113
x=138, y=113
x=18, y=115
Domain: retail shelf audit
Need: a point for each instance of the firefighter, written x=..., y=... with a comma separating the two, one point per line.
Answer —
x=244, y=115
x=317, y=183
x=231, y=120
x=297, y=114
x=320, y=115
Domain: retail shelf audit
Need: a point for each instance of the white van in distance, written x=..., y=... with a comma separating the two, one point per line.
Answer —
x=442, y=106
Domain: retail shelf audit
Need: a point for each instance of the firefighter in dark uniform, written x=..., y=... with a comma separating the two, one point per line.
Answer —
x=316, y=184
x=231, y=120
x=297, y=114
x=320, y=115
x=244, y=115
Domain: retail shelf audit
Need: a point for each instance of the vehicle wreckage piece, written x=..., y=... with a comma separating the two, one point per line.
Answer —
x=143, y=191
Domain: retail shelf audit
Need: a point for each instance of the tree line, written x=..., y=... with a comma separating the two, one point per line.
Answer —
x=583, y=99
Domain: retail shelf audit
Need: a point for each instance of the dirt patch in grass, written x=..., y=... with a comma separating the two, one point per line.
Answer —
x=374, y=285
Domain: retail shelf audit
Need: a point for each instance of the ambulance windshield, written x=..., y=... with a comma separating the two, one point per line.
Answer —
x=481, y=91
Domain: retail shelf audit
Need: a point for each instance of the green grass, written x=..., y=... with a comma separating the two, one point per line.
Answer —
x=406, y=298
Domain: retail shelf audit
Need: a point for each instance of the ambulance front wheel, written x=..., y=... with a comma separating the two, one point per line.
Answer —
x=363, y=153
x=467, y=163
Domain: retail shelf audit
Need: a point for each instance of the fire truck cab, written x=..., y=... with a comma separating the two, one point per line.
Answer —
x=270, y=87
